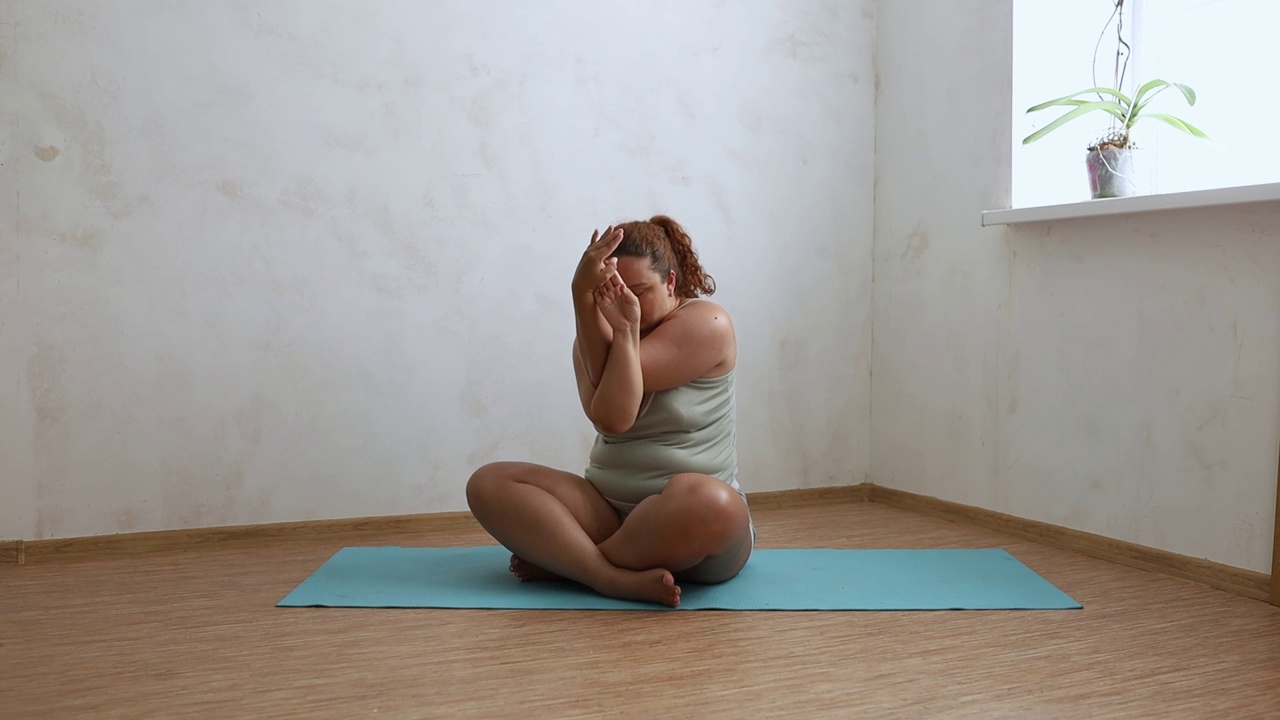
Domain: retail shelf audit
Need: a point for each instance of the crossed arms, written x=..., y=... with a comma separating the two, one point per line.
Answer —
x=616, y=362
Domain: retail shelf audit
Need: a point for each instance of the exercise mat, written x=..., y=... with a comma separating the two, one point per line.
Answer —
x=774, y=579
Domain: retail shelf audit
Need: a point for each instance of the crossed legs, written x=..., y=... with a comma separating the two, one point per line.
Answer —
x=697, y=529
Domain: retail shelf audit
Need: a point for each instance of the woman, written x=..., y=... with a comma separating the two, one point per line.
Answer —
x=659, y=501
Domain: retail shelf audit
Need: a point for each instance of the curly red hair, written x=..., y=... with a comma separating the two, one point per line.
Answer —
x=668, y=247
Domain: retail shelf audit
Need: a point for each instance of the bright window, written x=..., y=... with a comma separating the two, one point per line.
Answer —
x=1226, y=50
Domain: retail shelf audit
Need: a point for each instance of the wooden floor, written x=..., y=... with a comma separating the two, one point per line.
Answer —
x=195, y=634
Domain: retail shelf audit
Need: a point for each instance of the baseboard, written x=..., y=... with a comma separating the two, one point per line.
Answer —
x=801, y=497
x=43, y=551
x=9, y=551
x=1223, y=577
x=1242, y=582
x=1275, y=552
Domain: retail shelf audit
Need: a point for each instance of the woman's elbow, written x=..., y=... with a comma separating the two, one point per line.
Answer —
x=612, y=424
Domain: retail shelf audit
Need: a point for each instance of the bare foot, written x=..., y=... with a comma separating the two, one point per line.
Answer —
x=655, y=586
x=528, y=572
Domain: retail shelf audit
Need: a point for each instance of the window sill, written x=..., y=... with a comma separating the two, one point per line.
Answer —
x=1137, y=204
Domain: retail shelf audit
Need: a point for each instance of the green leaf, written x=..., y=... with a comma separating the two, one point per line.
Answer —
x=1112, y=108
x=1187, y=92
x=1182, y=125
x=1121, y=97
x=1115, y=109
x=1137, y=111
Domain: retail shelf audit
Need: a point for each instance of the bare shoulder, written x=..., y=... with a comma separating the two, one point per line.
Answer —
x=701, y=310
x=699, y=335
x=693, y=341
x=703, y=317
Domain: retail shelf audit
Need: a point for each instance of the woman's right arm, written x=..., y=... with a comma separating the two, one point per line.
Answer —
x=586, y=389
x=593, y=332
x=594, y=336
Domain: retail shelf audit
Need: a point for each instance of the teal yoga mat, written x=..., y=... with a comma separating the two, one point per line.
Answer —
x=812, y=579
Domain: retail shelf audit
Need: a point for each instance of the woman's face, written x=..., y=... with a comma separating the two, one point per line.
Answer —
x=656, y=294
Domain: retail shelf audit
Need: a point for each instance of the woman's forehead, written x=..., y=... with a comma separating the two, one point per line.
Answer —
x=635, y=270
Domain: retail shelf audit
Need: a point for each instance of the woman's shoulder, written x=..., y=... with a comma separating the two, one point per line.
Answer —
x=695, y=340
x=705, y=309
x=701, y=318
x=707, y=323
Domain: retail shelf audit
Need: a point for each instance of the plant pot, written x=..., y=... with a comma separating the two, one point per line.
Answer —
x=1111, y=172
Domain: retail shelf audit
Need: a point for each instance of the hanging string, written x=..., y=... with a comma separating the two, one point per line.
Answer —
x=1123, y=51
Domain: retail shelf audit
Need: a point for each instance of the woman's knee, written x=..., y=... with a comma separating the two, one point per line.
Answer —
x=706, y=490
x=485, y=480
x=711, y=499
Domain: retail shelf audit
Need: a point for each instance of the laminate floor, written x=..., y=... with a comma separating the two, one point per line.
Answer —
x=196, y=634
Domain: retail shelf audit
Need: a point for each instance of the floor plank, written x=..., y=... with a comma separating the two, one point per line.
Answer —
x=186, y=634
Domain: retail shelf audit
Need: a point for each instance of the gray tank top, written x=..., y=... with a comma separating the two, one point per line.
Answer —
x=686, y=429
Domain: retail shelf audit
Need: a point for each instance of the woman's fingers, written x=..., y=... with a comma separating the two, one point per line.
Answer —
x=604, y=244
x=614, y=239
x=608, y=290
x=598, y=237
x=611, y=282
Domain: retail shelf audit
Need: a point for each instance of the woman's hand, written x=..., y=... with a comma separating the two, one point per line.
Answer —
x=596, y=267
x=619, y=306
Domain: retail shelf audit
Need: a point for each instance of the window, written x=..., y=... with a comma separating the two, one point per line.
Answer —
x=1224, y=49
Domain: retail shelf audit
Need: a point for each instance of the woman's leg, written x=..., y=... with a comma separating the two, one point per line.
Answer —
x=698, y=527
x=555, y=520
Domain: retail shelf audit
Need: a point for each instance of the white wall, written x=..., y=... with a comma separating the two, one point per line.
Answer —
x=267, y=261
x=1118, y=376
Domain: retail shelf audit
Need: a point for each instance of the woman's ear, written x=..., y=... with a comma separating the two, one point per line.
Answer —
x=671, y=284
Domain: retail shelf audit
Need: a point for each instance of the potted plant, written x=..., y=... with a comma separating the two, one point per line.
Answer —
x=1110, y=159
